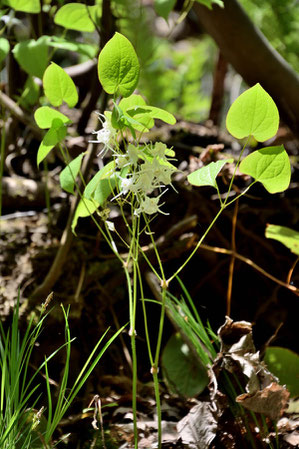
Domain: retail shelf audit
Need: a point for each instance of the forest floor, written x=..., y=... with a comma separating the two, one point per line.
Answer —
x=91, y=281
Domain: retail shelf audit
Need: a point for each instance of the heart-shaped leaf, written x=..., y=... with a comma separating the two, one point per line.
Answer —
x=56, y=134
x=31, y=6
x=287, y=236
x=32, y=55
x=94, y=184
x=77, y=16
x=206, y=176
x=284, y=364
x=44, y=117
x=69, y=174
x=118, y=66
x=253, y=113
x=183, y=373
x=59, y=86
x=270, y=166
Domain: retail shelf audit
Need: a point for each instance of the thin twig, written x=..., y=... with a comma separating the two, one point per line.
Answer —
x=229, y=252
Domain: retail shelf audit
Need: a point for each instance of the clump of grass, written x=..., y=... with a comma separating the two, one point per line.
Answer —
x=20, y=423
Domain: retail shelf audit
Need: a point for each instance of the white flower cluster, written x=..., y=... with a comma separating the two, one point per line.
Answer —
x=149, y=169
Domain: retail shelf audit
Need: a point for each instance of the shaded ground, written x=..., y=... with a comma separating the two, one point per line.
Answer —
x=92, y=283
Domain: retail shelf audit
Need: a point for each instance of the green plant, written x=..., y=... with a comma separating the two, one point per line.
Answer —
x=21, y=425
x=137, y=171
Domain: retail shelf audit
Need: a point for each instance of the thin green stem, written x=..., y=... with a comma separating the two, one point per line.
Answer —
x=147, y=338
x=47, y=193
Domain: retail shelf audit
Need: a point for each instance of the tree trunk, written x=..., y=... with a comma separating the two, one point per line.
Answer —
x=249, y=52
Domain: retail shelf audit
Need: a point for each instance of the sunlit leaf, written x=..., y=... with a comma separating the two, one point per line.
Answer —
x=32, y=55
x=206, y=176
x=69, y=174
x=59, y=86
x=209, y=3
x=85, y=208
x=77, y=16
x=89, y=50
x=45, y=115
x=102, y=184
x=284, y=364
x=253, y=113
x=31, y=6
x=4, y=48
x=284, y=235
x=153, y=112
x=56, y=134
x=118, y=66
x=270, y=166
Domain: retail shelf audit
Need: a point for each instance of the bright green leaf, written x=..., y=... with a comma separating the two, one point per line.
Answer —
x=270, y=166
x=69, y=174
x=4, y=48
x=144, y=121
x=118, y=66
x=102, y=184
x=44, y=117
x=76, y=16
x=59, y=86
x=32, y=55
x=131, y=102
x=284, y=364
x=253, y=113
x=206, y=176
x=184, y=375
x=287, y=236
x=164, y=7
x=85, y=208
x=56, y=134
x=31, y=6
x=153, y=112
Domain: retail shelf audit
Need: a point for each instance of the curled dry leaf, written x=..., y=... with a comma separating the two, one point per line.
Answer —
x=271, y=401
x=238, y=355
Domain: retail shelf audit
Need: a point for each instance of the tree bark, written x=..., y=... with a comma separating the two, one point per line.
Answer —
x=245, y=47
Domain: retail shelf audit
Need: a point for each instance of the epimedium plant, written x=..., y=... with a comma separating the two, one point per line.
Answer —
x=137, y=177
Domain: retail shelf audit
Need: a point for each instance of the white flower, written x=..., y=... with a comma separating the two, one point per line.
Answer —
x=106, y=135
x=159, y=150
x=133, y=154
x=150, y=205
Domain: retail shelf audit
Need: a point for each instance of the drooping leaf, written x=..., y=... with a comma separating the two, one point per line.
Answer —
x=164, y=7
x=77, y=16
x=85, y=208
x=89, y=50
x=209, y=3
x=286, y=236
x=144, y=121
x=284, y=364
x=45, y=115
x=206, y=176
x=30, y=94
x=102, y=184
x=270, y=166
x=183, y=373
x=253, y=113
x=56, y=134
x=32, y=55
x=131, y=102
x=4, y=48
x=118, y=66
x=31, y=6
x=153, y=112
x=69, y=174
x=59, y=86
